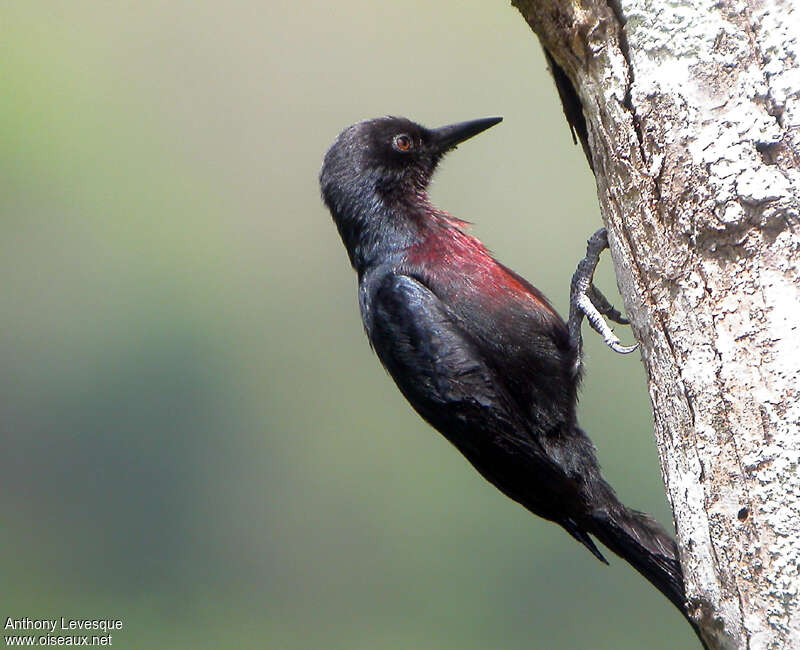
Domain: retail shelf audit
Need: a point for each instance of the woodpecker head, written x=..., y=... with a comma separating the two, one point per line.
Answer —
x=394, y=154
x=377, y=171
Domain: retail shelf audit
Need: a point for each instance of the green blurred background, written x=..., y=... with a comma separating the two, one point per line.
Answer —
x=196, y=437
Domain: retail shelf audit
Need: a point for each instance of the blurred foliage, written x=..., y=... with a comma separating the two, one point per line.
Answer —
x=196, y=437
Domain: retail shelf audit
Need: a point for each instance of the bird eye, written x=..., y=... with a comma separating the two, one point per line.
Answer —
x=402, y=143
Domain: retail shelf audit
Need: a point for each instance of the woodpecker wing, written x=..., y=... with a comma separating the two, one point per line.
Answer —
x=442, y=372
x=434, y=362
x=443, y=364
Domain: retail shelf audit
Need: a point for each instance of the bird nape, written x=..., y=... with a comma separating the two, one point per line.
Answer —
x=476, y=349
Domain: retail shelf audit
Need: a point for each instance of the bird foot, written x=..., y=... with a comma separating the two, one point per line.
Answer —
x=587, y=300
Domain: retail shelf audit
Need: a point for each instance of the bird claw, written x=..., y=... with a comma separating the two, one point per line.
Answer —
x=602, y=305
x=587, y=300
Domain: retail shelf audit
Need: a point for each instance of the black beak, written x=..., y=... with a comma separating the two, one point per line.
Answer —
x=447, y=137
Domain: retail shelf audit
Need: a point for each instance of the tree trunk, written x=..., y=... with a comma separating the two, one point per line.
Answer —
x=692, y=121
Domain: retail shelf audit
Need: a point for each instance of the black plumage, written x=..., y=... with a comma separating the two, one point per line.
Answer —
x=476, y=350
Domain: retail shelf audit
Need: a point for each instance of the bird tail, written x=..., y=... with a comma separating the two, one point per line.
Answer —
x=638, y=539
x=645, y=545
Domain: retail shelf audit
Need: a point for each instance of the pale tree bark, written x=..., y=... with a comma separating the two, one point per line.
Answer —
x=692, y=121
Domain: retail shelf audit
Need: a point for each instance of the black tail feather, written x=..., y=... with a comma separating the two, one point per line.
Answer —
x=645, y=545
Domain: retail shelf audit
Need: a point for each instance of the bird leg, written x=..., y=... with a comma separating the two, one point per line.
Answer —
x=587, y=300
